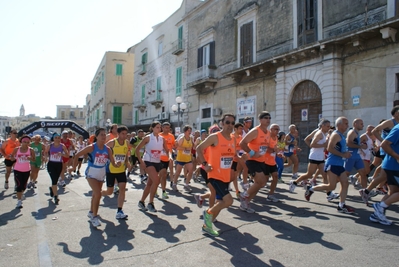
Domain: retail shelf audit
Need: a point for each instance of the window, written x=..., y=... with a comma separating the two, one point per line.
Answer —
x=143, y=94
x=81, y=114
x=180, y=37
x=63, y=115
x=178, y=81
x=206, y=55
x=307, y=21
x=206, y=113
x=117, y=115
x=246, y=45
x=136, y=117
x=102, y=77
x=72, y=115
x=97, y=115
x=159, y=87
x=119, y=69
x=160, y=48
x=144, y=59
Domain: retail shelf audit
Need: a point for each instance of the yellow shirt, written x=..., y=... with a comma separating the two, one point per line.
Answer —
x=185, y=154
x=119, y=152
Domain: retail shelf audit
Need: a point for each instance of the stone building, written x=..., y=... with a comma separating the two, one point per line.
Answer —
x=300, y=60
x=71, y=113
x=160, y=70
x=111, y=95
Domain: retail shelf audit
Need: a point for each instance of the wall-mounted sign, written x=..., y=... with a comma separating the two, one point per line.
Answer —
x=246, y=107
x=304, y=114
x=355, y=100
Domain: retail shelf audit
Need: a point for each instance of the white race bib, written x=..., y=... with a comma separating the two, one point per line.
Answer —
x=262, y=150
x=55, y=157
x=226, y=162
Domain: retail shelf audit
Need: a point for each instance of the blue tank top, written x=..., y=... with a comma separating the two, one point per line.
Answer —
x=341, y=147
x=98, y=158
x=355, y=151
x=385, y=133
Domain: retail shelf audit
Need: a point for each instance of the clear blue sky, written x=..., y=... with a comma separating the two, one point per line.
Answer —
x=50, y=50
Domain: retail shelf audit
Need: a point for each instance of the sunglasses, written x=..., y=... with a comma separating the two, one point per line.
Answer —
x=14, y=132
x=266, y=117
x=276, y=129
x=229, y=122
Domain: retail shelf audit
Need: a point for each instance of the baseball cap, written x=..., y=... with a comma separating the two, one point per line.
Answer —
x=203, y=131
x=65, y=132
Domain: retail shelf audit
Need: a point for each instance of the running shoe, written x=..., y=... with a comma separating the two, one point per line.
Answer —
x=369, y=179
x=29, y=186
x=332, y=196
x=313, y=182
x=272, y=198
x=352, y=179
x=95, y=221
x=381, y=191
x=308, y=193
x=207, y=219
x=56, y=200
x=63, y=184
x=244, y=186
x=281, y=181
x=116, y=189
x=120, y=215
x=374, y=218
x=141, y=206
x=364, y=196
x=372, y=193
x=51, y=191
x=292, y=186
x=238, y=195
x=245, y=206
x=174, y=187
x=198, y=201
x=90, y=215
x=19, y=204
x=345, y=209
x=165, y=195
x=188, y=187
x=6, y=185
x=143, y=179
x=294, y=176
x=151, y=208
x=210, y=231
x=380, y=213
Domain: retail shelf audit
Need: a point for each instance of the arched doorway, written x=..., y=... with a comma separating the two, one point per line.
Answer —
x=305, y=99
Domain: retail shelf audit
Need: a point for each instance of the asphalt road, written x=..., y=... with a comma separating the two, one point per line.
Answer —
x=293, y=232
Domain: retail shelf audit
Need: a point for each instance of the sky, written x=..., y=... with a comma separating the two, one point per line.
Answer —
x=50, y=50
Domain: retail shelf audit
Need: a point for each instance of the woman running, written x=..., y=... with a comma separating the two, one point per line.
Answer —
x=56, y=152
x=151, y=161
x=99, y=155
x=23, y=155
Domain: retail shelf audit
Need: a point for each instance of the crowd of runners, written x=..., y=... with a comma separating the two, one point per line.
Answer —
x=229, y=156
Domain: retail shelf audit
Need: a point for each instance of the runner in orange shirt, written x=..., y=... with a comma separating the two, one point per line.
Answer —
x=7, y=148
x=165, y=158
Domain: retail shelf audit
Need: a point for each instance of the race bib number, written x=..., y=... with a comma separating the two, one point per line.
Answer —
x=120, y=158
x=262, y=150
x=55, y=157
x=37, y=152
x=187, y=152
x=156, y=154
x=225, y=163
x=291, y=149
x=163, y=153
x=23, y=159
x=100, y=161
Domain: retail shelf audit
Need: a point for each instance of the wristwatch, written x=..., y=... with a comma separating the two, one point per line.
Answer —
x=204, y=163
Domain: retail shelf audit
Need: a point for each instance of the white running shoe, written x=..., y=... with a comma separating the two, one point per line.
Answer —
x=95, y=221
x=292, y=186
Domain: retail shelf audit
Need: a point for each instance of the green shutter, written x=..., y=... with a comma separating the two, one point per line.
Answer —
x=180, y=36
x=119, y=69
x=159, y=82
x=178, y=80
x=136, y=117
x=143, y=94
x=117, y=115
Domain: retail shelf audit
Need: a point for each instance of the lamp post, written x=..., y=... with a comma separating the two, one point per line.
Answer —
x=179, y=109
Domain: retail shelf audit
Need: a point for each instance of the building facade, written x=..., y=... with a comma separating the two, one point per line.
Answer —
x=160, y=70
x=111, y=96
x=71, y=113
x=300, y=60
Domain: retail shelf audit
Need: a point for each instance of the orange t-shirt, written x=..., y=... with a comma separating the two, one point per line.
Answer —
x=170, y=141
x=238, y=147
x=260, y=144
x=10, y=146
x=221, y=158
x=270, y=158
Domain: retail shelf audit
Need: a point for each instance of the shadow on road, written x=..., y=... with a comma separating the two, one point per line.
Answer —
x=96, y=244
x=161, y=228
x=9, y=216
x=42, y=213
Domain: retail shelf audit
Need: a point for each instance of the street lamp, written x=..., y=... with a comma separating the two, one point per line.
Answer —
x=179, y=109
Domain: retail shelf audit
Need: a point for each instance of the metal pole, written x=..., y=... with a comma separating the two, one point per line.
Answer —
x=178, y=115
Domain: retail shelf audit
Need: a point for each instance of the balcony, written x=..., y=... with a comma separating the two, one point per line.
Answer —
x=202, y=79
x=143, y=69
x=140, y=106
x=155, y=98
x=178, y=47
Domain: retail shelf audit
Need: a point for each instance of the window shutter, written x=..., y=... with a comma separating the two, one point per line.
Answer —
x=159, y=83
x=212, y=53
x=247, y=43
x=178, y=80
x=200, y=59
x=143, y=94
x=180, y=37
x=117, y=115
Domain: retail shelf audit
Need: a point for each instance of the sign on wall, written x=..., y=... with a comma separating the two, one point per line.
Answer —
x=304, y=114
x=246, y=107
x=355, y=100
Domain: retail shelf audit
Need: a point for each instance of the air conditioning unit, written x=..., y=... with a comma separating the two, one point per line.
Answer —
x=159, y=116
x=217, y=112
x=165, y=115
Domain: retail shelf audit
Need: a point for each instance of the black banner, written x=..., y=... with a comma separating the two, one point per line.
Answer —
x=54, y=124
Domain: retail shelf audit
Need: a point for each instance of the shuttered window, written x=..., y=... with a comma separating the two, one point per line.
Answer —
x=159, y=87
x=117, y=115
x=178, y=81
x=246, y=45
x=143, y=94
x=119, y=69
x=180, y=37
x=211, y=59
x=307, y=21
